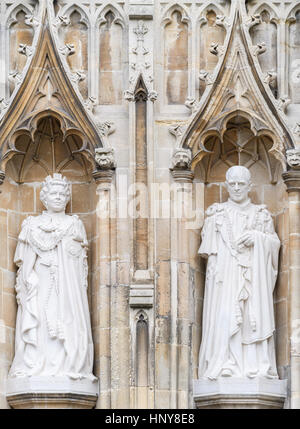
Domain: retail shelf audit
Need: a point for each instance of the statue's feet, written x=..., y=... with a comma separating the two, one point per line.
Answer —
x=226, y=372
x=270, y=375
x=252, y=374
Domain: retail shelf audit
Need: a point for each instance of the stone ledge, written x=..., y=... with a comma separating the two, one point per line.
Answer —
x=240, y=393
x=51, y=400
x=51, y=392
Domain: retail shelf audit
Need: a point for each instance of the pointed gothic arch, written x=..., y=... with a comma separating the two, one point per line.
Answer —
x=69, y=9
x=120, y=18
x=251, y=96
x=111, y=51
x=19, y=37
x=46, y=90
x=268, y=7
x=167, y=15
x=176, y=55
x=14, y=10
x=209, y=7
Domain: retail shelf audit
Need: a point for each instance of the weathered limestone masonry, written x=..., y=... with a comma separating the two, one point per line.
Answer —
x=143, y=105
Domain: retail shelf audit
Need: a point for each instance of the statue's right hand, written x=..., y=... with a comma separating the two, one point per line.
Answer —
x=32, y=282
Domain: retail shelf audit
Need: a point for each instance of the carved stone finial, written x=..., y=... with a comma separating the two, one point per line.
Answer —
x=152, y=95
x=259, y=49
x=283, y=102
x=192, y=104
x=90, y=103
x=253, y=20
x=78, y=76
x=177, y=130
x=222, y=21
x=25, y=50
x=68, y=49
x=206, y=77
x=129, y=95
x=62, y=20
x=270, y=78
x=215, y=49
x=3, y=104
x=296, y=129
x=31, y=21
x=203, y=75
x=106, y=128
x=293, y=158
x=104, y=158
x=15, y=77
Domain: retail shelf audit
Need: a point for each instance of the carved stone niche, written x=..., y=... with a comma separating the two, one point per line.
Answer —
x=105, y=162
x=215, y=153
x=45, y=152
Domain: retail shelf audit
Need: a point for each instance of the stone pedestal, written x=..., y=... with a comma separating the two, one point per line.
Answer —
x=259, y=393
x=51, y=392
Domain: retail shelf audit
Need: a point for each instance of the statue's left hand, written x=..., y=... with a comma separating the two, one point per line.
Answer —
x=247, y=239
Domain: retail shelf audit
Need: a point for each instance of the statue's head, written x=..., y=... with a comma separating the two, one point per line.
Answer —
x=55, y=193
x=238, y=183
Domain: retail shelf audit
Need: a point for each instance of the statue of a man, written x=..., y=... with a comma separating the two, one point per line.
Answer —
x=239, y=240
x=53, y=331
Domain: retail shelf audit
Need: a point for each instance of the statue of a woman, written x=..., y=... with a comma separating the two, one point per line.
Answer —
x=53, y=332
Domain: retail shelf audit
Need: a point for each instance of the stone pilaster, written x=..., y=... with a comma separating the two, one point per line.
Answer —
x=102, y=277
x=292, y=181
x=180, y=338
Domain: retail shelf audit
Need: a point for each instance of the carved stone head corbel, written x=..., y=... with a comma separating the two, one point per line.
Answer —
x=105, y=159
x=181, y=159
x=180, y=166
x=105, y=165
x=293, y=158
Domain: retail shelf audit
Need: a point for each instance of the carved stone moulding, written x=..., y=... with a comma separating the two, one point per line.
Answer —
x=291, y=179
x=2, y=177
x=183, y=175
x=51, y=392
x=238, y=393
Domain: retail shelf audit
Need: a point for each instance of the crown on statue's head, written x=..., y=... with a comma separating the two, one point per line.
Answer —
x=56, y=179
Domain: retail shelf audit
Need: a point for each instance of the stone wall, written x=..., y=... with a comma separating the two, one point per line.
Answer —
x=145, y=78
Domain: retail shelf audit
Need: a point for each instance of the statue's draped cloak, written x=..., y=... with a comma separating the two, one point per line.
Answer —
x=238, y=303
x=53, y=332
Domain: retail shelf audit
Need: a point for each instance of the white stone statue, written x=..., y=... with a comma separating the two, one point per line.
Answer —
x=53, y=331
x=239, y=240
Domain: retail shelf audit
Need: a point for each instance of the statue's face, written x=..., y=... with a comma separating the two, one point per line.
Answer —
x=238, y=188
x=56, y=199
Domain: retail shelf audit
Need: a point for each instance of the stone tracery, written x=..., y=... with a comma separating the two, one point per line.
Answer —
x=229, y=114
